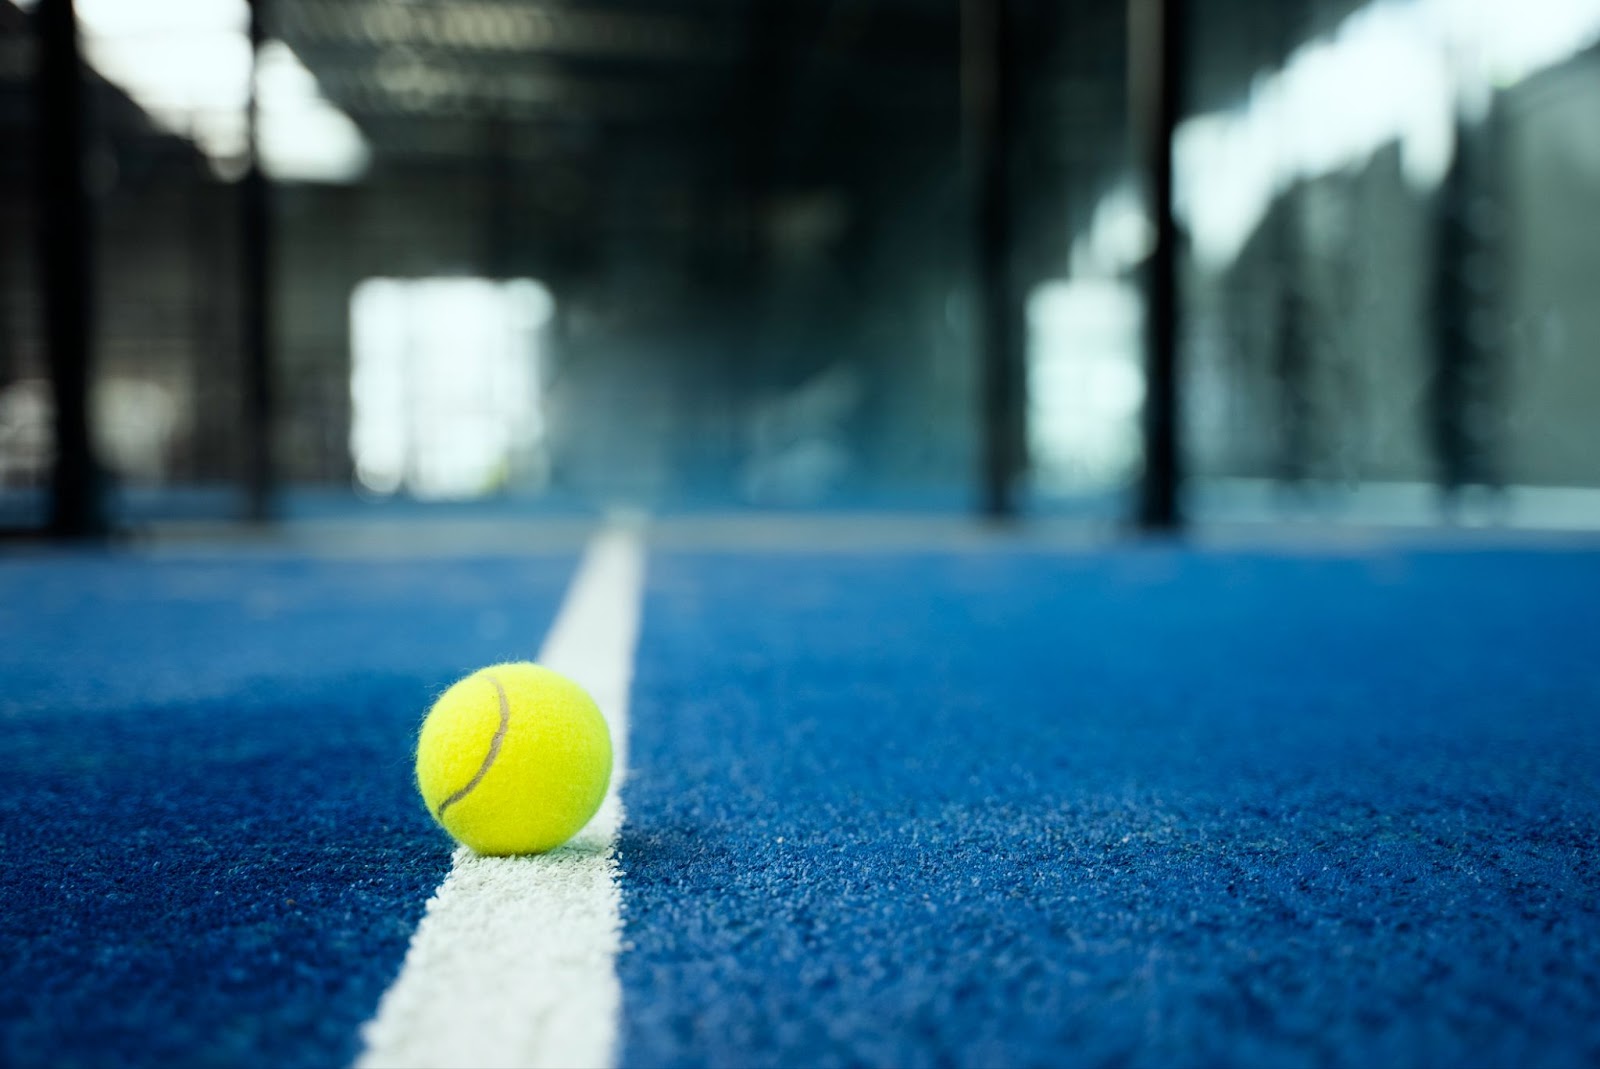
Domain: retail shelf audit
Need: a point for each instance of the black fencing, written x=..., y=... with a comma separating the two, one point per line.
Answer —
x=1129, y=261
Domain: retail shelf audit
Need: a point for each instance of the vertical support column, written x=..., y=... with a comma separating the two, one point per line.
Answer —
x=260, y=473
x=77, y=507
x=1292, y=348
x=500, y=222
x=1293, y=353
x=1157, y=29
x=1467, y=398
x=989, y=105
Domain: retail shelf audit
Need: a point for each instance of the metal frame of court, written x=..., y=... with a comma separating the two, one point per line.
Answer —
x=77, y=507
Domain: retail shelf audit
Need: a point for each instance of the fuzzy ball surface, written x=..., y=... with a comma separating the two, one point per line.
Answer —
x=514, y=759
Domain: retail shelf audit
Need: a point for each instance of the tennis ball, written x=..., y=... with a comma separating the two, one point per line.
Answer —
x=514, y=759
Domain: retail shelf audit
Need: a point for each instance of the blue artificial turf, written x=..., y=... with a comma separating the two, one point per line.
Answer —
x=211, y=852
x=1147, y=807
x=1151, y=806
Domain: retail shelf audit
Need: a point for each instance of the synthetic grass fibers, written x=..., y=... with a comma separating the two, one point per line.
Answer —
x=1149, y=807
x=1152, y=806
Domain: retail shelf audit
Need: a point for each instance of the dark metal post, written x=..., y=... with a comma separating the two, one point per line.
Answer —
x=988, y=89
x=1297, y=415
x=1156, y=63
x=260, y=474
x=499, y=198
x=77, y=509
x=1467, y=393
x=1292, y=346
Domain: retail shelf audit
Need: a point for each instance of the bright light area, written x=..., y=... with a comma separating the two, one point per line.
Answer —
x=1119, y=235
x=1393, y=72
x=187, y=64
x=445, y=385
x=303, y=137
x=1085, y=383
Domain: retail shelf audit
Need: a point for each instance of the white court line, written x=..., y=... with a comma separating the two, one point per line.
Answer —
x=514, y=962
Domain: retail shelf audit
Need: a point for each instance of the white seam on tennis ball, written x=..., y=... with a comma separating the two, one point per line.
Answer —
x=494, y=748
x=514, y=961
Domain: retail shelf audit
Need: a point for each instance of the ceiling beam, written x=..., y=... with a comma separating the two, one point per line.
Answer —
x=514, y=27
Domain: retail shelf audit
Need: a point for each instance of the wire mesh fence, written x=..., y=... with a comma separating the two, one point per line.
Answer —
x=752, y=240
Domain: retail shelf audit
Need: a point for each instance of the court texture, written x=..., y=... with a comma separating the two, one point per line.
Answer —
x=902, y=799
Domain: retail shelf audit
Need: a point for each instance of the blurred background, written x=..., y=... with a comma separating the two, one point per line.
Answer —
x=1124, y=261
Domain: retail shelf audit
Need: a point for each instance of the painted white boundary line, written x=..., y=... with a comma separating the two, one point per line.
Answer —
x=514, y=962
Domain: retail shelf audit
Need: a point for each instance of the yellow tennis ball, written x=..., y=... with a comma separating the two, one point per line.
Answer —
x=514, y=759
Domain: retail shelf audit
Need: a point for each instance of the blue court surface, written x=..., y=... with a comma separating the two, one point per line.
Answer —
x=981, y=806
